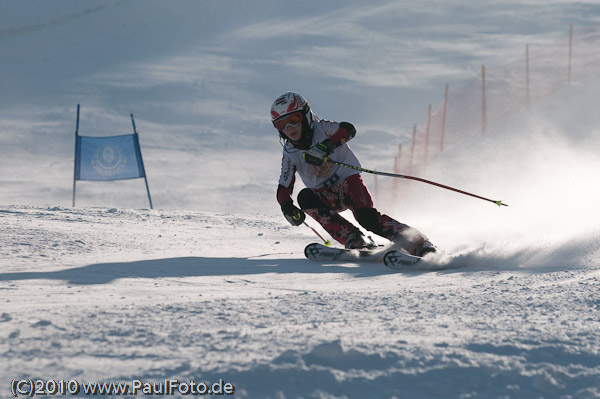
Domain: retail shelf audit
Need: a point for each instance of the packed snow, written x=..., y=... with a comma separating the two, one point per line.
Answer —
x=212, y=285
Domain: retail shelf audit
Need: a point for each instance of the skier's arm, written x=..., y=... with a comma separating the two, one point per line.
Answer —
x=293, y=214
x=345, y=132
x=284, y=194
x=317, y=153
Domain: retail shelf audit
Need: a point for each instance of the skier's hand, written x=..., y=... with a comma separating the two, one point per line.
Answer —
x=317, y=154
x=293, y=214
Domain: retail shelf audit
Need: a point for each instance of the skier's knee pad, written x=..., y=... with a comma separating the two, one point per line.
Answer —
x=369, y=219
x=307, y=199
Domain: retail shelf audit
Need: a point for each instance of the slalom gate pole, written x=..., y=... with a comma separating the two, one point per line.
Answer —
x=326, y=242
x=499, y=203
x=75, y=157
x=141, y=160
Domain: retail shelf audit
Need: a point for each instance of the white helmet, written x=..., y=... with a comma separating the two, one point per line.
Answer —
x=288, y=103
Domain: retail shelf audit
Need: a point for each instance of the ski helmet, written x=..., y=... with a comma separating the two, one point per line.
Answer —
x=288, y=103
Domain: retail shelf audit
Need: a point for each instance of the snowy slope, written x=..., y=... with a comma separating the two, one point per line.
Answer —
x=212, y=284
x=102, y=294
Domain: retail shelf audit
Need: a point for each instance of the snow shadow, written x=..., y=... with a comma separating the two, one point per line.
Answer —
x=104, y=273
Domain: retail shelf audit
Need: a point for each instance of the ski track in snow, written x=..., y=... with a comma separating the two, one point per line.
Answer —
x=164, y=294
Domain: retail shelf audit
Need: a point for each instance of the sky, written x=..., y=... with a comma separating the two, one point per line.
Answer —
x=200, y=80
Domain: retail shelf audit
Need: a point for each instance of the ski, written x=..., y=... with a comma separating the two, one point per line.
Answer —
x=393, y=259
x=321, y=253
x=398, y=260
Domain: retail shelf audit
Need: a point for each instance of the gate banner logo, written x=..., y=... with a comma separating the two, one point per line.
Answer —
x=108, y=158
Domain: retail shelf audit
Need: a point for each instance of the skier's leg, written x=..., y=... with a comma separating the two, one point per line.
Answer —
x=378, y=223
x=326, y=215
x=361, y=203
x=383, y=225
x=359, y=200
x=400, y=234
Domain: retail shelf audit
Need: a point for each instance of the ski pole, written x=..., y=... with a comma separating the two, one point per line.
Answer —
x=326, y=242
x=499, y=203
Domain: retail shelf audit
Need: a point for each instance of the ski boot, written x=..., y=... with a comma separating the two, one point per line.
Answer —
x=424, y=248
x=357, y=240
x=413, y=242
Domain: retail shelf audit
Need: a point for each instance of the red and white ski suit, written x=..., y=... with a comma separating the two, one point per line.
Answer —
x=331, y=189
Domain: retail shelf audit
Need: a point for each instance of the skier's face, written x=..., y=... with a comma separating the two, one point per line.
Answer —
x=294, y=133
x=290, y=125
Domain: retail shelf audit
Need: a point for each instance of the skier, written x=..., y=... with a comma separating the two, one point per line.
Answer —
x=307, y=142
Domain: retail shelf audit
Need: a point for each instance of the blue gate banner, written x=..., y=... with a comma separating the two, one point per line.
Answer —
x=108, y=158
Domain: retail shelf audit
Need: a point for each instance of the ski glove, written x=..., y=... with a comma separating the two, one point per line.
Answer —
x=317, y=154
x=293, y=214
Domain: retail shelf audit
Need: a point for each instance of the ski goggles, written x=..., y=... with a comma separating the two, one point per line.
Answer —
x=292, y=120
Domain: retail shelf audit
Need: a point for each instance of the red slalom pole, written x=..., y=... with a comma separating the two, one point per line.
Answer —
x=499, y=203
